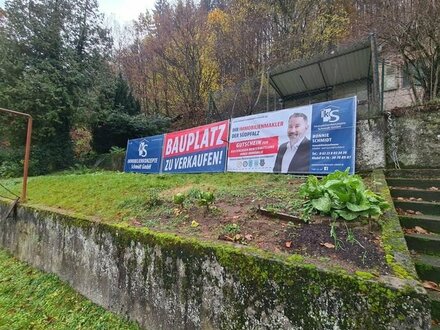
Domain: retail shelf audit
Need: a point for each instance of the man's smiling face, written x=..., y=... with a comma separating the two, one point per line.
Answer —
x=296, y=129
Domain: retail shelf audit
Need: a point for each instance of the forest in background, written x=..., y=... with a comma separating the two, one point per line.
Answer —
x=185, y=63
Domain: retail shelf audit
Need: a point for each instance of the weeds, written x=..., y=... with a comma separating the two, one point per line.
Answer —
x=231, y=228
x=337, y=242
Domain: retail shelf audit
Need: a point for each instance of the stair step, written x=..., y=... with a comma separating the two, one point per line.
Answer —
x=428, y=208
x=414, y=183
x=413, y=173
x=426, y=244
x=426, y=195
x=429, y=222
x=434, y=296
x=428, y=267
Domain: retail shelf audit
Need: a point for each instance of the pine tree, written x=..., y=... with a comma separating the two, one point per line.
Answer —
x=53, y=51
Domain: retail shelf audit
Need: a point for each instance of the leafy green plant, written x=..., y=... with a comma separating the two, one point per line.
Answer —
x=179, y=199
x=206, y=198
x=231, y=228
x=194, y=193
x=114, y=150
x=340, y=195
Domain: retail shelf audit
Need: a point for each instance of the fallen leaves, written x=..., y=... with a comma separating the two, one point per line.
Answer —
x=416, y=230
x=401, y=211
x=412, y=199
x=431, y=285
x=288, y=244
x=237, y=238
x=136, y=223
x=328, y=245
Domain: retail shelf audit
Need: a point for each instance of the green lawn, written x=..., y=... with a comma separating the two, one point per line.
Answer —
x=30, y=299
x=118, y=197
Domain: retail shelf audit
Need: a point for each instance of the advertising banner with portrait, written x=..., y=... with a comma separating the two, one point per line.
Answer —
x=196, y=150
x=144, y=155
x=318, y=138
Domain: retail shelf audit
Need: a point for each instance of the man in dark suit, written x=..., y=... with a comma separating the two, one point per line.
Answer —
x=294, y=156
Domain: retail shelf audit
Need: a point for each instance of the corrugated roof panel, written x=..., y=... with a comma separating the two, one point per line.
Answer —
x=314, y=75
x=300, y=80
x=288, y=82
x=353, y=66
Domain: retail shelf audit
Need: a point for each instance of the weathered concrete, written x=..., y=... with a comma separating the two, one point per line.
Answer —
x=370, y=144
x=417, y=131
x=416, y=134
x=166, y=282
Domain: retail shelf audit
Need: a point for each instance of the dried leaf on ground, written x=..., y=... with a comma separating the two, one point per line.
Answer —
x=420, y=230
x=288, y=244
x=431, y=285
x=136, y=223
x=226, y=238
x=249, y=237
x=328, y=245
x=416, y=230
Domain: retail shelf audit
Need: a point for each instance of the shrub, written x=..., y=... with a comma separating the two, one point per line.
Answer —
x=340, y=195
x=113, y=129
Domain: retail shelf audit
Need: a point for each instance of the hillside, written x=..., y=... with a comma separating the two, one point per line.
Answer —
x=257, y=210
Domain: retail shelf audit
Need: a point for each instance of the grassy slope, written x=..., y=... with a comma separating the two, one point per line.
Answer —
x=113, y=196
x=30, y=299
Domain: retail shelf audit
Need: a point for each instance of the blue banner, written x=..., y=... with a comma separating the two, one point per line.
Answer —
x=318, y=139
x=144, y=155
x=333, y=136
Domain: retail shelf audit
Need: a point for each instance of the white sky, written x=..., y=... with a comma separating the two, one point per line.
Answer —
x=122, y=11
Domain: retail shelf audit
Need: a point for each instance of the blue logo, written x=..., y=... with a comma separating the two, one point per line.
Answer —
x=330, y=114
x=143, y=148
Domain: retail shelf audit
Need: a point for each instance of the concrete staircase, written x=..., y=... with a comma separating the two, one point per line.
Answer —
x=416, y=197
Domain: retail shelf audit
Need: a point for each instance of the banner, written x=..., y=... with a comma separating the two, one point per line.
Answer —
x=334, y=136
x=144, y=155
x=317, y=139
x=195, y=150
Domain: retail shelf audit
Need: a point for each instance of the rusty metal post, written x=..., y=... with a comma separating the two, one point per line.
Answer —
x=27, y=149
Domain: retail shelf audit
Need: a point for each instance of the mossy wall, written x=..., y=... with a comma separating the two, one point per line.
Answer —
x=417, y=135
x=166, y=282
x=413, y=132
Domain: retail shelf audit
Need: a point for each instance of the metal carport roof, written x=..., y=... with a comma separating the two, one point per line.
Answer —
x=321, y=73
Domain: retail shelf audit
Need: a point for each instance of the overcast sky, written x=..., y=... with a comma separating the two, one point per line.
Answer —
x=122, y=10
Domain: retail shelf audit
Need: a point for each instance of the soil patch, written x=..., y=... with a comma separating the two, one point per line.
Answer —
x=349, y=246
x=356, y=247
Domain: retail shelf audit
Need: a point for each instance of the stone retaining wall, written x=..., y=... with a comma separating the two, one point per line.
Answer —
x=166, y=282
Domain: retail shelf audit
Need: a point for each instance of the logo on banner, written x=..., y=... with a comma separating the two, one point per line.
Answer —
x=330, y=114
x=143, y=149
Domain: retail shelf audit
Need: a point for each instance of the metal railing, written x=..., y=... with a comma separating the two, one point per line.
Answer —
x=27, y=148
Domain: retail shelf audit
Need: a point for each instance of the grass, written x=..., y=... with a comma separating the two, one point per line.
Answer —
x=30, y=299
x=115, y=197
